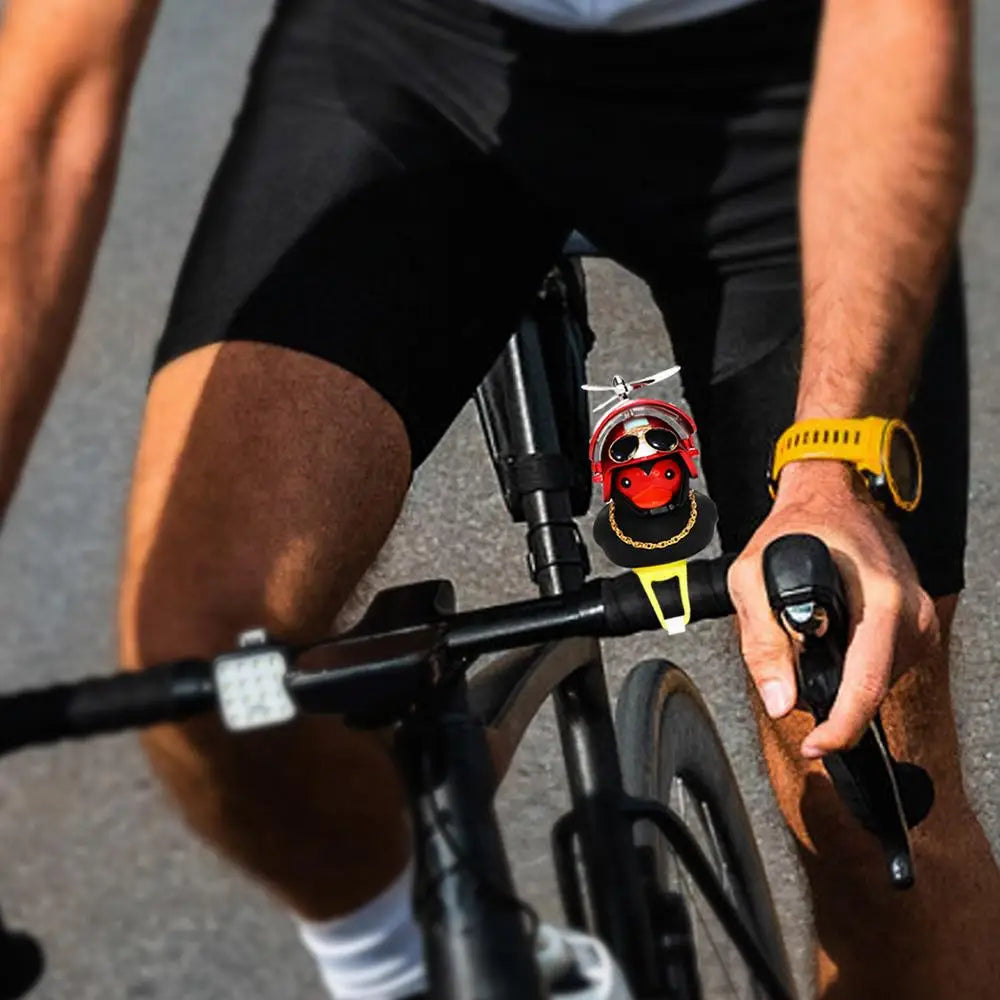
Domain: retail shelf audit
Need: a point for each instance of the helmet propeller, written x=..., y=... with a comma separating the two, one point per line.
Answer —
x=622, y=390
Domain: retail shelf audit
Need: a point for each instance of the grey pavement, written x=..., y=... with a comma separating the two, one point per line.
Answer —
x=129, y=905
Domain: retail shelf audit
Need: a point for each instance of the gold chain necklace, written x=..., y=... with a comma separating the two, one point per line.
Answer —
x=654, y=545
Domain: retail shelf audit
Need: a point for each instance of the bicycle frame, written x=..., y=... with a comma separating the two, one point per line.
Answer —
x=476, y=940
x=477, y=943
x=582, y=703
x=509, y=693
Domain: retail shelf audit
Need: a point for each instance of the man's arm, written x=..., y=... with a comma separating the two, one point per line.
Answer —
x=886, y=165
x=66, y=72
x=886, y=168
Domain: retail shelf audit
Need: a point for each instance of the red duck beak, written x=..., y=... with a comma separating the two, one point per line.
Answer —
x=654, y=495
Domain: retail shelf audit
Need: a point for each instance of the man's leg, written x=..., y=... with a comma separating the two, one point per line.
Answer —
x=265, y=483
x=359, y=263
x=935, y=939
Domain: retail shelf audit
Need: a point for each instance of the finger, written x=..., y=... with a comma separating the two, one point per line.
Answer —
x=865, y=683
x=765, y=646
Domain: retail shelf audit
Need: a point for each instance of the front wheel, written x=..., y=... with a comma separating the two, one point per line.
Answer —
x=671, y=752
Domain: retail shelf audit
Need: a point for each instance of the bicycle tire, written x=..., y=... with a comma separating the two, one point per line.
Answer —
x=665, y=733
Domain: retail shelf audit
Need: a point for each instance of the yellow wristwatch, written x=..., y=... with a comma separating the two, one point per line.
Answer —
x=883, y=450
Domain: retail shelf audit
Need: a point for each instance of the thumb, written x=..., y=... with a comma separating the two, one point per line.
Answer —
x=766, y=648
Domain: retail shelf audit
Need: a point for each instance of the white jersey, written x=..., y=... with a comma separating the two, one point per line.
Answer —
x=614, y=15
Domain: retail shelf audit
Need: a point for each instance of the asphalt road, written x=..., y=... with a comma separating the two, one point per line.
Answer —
x=128, y=904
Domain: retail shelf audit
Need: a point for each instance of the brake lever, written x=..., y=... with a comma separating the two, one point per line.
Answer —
x=885, y=795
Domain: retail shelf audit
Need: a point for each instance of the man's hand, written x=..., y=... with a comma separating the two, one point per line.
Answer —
x=893, y=621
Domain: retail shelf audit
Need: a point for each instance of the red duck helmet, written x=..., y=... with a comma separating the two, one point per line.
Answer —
x=623, y=438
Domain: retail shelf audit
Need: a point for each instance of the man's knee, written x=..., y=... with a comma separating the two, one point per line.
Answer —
x=254, y=506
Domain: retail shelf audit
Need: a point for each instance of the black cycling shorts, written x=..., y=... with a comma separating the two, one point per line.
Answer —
x=403, y=172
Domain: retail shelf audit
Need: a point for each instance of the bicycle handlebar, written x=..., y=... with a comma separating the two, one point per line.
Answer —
x=341, y=670
x=348, y=665
x=346, y=674
x=627, y=608
x=90, y=707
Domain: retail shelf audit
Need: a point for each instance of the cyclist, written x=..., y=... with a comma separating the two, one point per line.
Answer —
x=400, y=177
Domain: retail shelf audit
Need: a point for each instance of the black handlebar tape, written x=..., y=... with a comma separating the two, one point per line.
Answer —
x=627, y=608
x=708, y=587
x=163, y=693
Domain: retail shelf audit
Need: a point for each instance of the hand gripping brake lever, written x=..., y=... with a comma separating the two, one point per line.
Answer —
x=886, y=796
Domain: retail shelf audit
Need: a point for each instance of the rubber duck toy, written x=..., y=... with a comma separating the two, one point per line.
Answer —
x=642, y=453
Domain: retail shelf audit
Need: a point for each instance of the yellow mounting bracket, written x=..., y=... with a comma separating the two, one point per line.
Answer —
x=648, y=575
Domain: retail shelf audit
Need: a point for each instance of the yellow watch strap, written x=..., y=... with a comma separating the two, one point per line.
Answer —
x=856, y=441
x=665, y=572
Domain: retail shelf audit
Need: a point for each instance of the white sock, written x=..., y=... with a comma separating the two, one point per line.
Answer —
x=374, y=953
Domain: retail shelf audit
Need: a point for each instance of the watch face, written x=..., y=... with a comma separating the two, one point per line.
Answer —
x=904, y=465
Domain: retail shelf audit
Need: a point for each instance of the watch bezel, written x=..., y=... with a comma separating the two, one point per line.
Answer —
x=891, y=428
